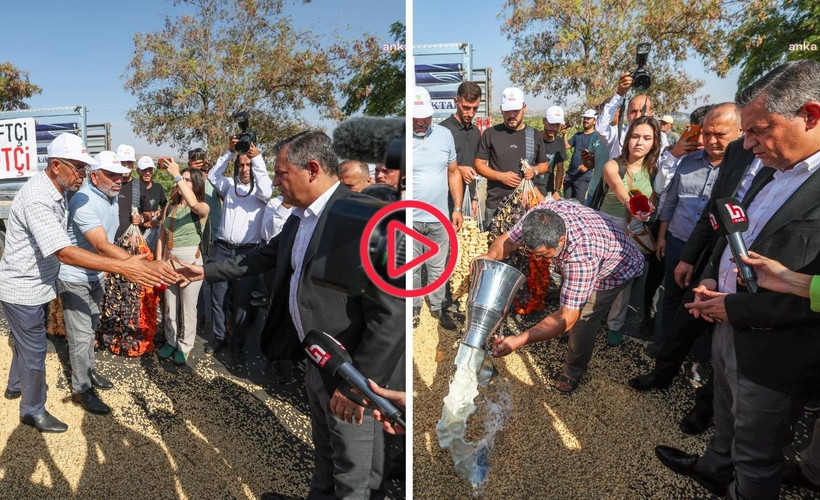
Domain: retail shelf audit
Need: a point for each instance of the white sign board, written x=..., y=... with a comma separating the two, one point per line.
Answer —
x=18, y=148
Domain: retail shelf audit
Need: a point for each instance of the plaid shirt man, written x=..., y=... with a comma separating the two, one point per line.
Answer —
x=597, y=254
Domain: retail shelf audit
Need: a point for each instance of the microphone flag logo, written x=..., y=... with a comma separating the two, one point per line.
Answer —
x=318, y=355
x=713, y=220
x=737, y=213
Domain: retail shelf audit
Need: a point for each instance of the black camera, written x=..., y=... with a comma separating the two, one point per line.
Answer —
x=197, y=154
x=245, y=136
x=641, y=80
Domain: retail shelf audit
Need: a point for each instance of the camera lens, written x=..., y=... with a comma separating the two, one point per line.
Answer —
x=641, y=81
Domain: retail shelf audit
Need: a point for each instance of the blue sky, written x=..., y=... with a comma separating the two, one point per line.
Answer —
x=77, y=51
x=478, y=23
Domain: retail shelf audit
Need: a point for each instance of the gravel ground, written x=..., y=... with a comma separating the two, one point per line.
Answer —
x=208, y=430
x=596, y=443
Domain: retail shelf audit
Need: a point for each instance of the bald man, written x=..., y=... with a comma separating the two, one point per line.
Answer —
x=639, y=105
x=355, y=175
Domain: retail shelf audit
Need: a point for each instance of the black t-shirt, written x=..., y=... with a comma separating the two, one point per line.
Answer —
x=153, y=198
x=555, y=152
x=579, y=142
x=124, y=200
x=503, y=149
x=466, y=140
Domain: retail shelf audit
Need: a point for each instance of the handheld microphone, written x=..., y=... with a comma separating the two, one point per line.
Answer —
x=733, y=222
x=332, y=357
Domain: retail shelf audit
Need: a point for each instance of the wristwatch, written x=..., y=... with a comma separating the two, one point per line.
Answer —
x=457, y=209
x=177, y=179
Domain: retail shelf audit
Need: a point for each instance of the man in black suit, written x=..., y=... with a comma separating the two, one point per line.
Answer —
x=765, y=362
x=349, y=442
x=738, y=169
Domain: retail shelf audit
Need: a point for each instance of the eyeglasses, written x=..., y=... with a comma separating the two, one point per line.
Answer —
x=535, y=253
x=78, y=170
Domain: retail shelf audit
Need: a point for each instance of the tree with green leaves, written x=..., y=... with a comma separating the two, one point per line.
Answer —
x=15, y=87
x=378, y=71
x=773, y=32
x=568, y=48
x=222, y=57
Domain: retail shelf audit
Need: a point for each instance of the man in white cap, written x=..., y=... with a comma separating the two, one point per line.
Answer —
x=36, y=245
x=152, y=199
x=435, y=171
x=556, y=150
x=587, y=161
x=502, y=148
x=93, y=218
x=666, y=128
x=130, y=193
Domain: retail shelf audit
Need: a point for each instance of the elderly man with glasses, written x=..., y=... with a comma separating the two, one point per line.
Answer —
x=36, y=245
x=596, y=260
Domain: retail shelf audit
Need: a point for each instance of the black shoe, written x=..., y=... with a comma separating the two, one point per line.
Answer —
x=9, y=394
x=444, y=319
x=215, y=346
x=792, y=475
x=91, y=402
x=648, y=381
x=647, y=326
x=696, y=421
x=44, y=422
x=238, y=352
x=99, y=381
x=684, y=464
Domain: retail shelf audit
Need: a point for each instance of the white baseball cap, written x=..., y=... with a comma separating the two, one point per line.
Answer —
x=126, y=153
x=667, y=119
x=145, y=162
x=422, y=103
x=110, y=162
x=590, y=113
x=69, y=147
x=555, y=115
x=512, y=99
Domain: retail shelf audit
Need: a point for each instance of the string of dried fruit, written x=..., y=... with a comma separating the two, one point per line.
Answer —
x=56, y=322
x=128, y=314
x=538, y=283
x=471, y=244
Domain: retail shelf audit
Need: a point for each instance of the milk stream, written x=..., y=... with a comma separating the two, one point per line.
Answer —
x=470, y=459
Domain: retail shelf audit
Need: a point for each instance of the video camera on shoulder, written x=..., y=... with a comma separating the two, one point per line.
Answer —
x=641, y=79
x=246, y=136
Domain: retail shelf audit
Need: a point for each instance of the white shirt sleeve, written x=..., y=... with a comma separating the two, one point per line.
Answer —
x=215, y=176
x=264, y=186
x=606, y=117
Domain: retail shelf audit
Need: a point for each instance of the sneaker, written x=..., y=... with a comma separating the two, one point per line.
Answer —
x=613, y=338
x=812, y=405
x=180, y=358
x=166, y=351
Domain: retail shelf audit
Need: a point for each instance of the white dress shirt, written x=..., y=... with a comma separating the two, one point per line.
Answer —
x=309, y=217
x=767, y=202
x=242, y=213
x=275, y=216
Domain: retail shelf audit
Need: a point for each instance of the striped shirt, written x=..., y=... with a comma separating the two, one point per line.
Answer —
x=597, y=255
x=36, y=230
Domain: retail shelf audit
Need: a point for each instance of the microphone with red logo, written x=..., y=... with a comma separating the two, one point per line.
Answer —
x=733, y=222
x=332, y=357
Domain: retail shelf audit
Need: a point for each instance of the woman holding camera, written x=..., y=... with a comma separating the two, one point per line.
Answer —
x=629, y=176
x=179, y=240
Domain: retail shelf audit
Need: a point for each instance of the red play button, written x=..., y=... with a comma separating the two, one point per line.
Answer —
x=394, y=230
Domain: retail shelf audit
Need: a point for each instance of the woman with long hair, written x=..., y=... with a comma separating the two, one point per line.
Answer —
x=625, y=175
x=179, y=239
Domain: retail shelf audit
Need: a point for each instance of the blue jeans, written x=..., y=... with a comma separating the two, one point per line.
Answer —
x=435, y=266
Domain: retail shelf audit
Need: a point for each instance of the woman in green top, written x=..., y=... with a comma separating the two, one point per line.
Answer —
x=179, y=240
x=638, y=161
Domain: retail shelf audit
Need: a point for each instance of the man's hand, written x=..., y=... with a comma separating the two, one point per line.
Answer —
x=135, y=219
x=509, y=179
x=457, y=219
x=682, y=148
x=346, y=409
x=503, y=346
x=624, y=82
x=232, y=140
x=711, y=306
x=253, y=151
x=683, y=274
x=707, y=285
x=397, y=397
x=474, y=206
x=587, y=160
x=529, y=173
x=147, y=273
x=191, y=272
x=467, y=174
x=660, y=248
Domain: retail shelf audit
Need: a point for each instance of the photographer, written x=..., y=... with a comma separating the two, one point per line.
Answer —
x=240, y=232
x=639, y=105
